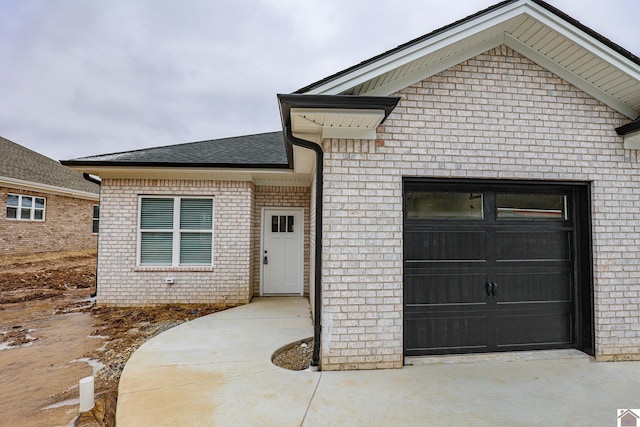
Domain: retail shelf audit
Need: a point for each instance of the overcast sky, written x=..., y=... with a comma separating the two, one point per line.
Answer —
x=81, y=77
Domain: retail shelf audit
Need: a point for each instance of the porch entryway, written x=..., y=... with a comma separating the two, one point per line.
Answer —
x=282, y=251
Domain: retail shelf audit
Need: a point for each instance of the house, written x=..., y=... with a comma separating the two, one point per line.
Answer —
x=628, y=418
x=472, y=190
x=46, y=206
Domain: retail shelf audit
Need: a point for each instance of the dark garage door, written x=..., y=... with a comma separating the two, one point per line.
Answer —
x=490, y=267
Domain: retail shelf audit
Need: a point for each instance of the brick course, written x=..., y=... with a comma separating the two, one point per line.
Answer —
x=67, y=226
x=500, y=116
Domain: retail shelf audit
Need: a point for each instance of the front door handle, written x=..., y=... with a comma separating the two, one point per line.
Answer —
x=492, y=288
x=265, y=260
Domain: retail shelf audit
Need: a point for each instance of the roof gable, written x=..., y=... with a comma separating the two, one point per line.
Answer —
x=533, y=28
x=22, y=167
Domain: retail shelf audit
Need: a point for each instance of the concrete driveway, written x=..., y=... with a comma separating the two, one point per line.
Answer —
x=217, y=371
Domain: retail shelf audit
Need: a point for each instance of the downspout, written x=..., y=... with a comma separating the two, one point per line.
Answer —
x=89, y=178
x=317, y=325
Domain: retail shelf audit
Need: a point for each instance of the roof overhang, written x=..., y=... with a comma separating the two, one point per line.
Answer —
x=298, y=177
x=316, y=117
x=533, y=28
x=48, y=189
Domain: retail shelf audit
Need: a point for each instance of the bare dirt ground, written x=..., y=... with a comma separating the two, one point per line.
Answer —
x=52, y=335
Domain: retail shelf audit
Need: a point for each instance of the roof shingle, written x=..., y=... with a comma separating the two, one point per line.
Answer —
x=259, y=150
x=21, y=163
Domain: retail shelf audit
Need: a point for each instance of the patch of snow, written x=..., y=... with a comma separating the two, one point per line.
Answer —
x=68, y=402
x=95, y=364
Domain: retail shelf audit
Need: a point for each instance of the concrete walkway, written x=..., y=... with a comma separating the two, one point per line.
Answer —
x=217, y=371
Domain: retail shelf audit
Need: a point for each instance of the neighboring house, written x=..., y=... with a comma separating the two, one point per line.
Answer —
x=45, y=206
x=473, y=190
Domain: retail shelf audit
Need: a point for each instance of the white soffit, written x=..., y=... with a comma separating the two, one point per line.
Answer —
x=526, y=27
x=316, y=124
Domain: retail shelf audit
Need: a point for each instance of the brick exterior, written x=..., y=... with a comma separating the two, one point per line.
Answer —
x=234, y=277
x=499, y=116
x=67, y=226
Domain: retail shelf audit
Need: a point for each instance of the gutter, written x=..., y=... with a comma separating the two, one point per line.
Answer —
x=90, y=178
x=317, y=325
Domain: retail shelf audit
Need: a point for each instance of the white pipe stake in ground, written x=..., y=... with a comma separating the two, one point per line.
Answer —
x=87, y=400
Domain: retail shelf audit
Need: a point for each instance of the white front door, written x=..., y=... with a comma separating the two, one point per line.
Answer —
x=282, y=251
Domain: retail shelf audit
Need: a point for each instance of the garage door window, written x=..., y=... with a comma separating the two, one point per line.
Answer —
x=444, y=205
x=532, y=206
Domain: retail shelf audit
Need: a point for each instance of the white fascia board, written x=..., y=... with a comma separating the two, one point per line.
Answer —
x=208, y=174
x=44, y=188
x=583, y=39
x=430, y=45
x=348, y=133
x=572, y=78
x=632, y=141
x=435, y=68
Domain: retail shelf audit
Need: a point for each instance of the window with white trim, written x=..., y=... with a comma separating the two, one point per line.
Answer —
x=96, y=219
x=175, y=231
x=25, y=208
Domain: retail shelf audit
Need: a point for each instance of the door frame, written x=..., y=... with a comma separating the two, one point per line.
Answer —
x=580, y=202
x=263, y=224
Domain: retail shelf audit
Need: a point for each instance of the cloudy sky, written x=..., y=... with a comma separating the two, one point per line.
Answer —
x=84, y=77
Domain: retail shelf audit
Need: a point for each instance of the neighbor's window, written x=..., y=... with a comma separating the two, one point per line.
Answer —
x=532, y=206
x=444, y=205
x=27, y=208
x=176, y=231
x=96, y=219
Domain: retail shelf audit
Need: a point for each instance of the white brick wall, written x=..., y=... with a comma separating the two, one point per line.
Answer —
x=121, y=282
x=235, y=275
x=497, y=115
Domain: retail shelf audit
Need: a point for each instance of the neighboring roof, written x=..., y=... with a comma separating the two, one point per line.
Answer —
x=22, y=167
x=533, y=28
x=264, y=150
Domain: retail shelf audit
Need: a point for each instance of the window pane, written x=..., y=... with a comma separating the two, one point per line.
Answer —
x=95, y=227
x=290, y=224
x=451, y=205
x=283, y=224
x=38, y=215
x=12, y=213
x=12, y=200
x=26, y=202
x=156, y=248
x=195, y=248
x=196, y=214
x=531, y=206
x=39, y=203
x=25, y=214
x=156, y=213
x=274, y=224
x=96, y=211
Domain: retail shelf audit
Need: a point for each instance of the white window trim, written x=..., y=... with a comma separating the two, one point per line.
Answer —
x=176, y=232
x=32, y=209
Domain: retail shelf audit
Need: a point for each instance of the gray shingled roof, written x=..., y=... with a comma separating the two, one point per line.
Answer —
x=260, y=150
x=18, y=162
